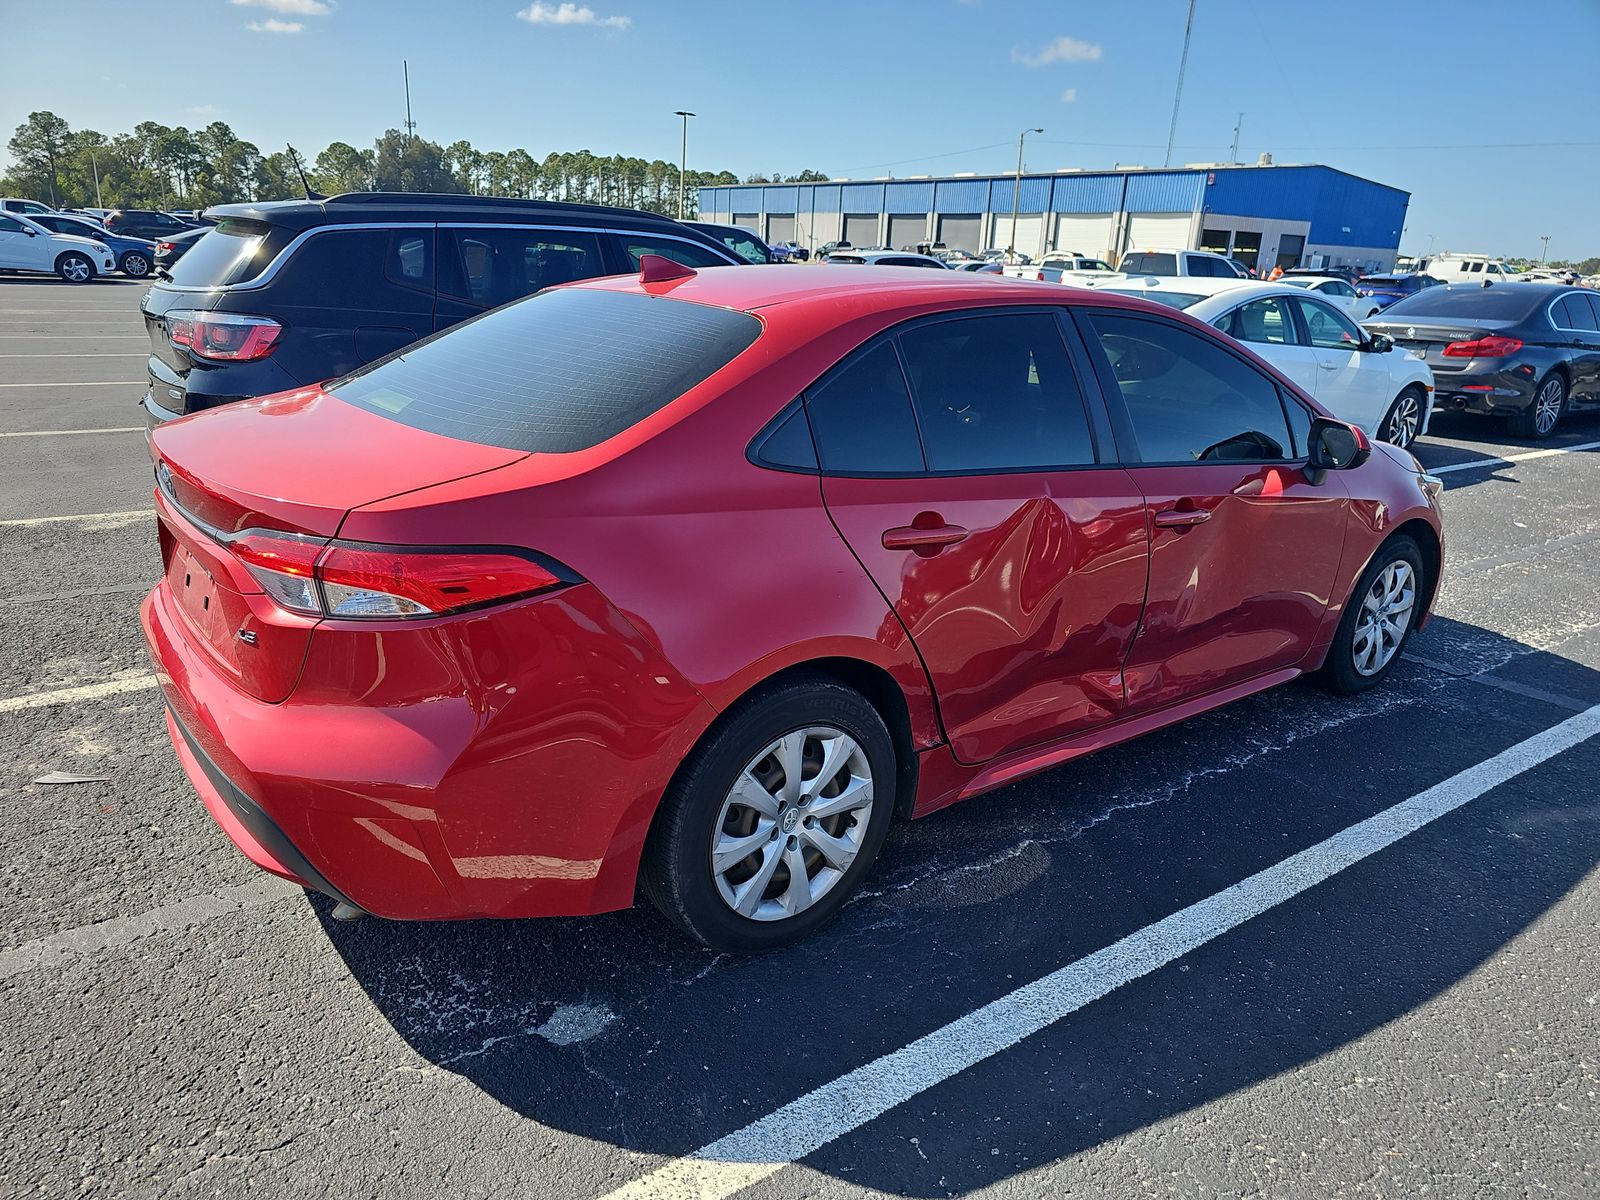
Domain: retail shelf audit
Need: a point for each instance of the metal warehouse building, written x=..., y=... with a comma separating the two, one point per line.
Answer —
x=1263, y=214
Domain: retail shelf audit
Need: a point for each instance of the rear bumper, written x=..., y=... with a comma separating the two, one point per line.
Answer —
x=1498, y=391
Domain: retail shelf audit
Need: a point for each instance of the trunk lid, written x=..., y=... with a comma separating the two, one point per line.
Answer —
x=296, y=463
x=1428, y=338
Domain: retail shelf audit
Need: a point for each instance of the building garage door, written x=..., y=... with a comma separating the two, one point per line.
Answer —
x=906, y=230
x=780, y=227
x=1089, y=235
x=962, y=232
x=1030, y=233
x=861, y=229
x=1159, y=231
x=750, y=221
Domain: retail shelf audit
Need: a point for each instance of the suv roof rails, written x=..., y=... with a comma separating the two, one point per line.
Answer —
x=465, y=200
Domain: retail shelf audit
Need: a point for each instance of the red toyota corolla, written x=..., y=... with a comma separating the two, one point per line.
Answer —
x=701, y=581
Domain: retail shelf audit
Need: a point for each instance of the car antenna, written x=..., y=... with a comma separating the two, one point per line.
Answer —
x=310, y=195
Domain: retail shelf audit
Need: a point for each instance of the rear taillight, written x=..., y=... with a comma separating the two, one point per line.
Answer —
x=163, y=245
x=228, y=337
x=1493, y=346
x=358, y=580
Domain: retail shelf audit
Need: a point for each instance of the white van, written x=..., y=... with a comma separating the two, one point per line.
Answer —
x=1465, y=268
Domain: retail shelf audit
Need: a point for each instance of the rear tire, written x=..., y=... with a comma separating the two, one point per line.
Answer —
x=1403, y=421
x=1378, y=619
x=830, y=729
x=74, y=267
x=1544, y=413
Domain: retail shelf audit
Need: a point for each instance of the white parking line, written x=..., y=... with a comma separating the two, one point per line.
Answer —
x=98, y=383
x=801, y=1127
x=69, y=354
x=1511, y=458
x=28, y=522
x=71, y=695
x=77, y=337
x=65, y=432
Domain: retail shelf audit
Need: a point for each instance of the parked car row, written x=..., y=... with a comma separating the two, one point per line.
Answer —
x=130, y=236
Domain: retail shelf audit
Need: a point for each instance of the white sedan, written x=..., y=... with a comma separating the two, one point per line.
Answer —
x=1358, y=378
x=25, y=246
x=1337, y=293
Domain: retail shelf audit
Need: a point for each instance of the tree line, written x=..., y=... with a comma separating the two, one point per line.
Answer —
x=160, y=166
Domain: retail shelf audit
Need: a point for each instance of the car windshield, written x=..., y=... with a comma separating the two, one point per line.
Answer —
x=1170, y=299
x=560, y=371
x=1150, y=264
x=229, y=253
x=1472, y=301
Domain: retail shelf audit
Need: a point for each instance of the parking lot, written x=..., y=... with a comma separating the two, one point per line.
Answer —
x=1116, y=986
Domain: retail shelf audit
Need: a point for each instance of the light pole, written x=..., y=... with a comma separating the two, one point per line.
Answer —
x=1016, y=195
x=683, y=161
x=95, y=163
x=1544, y=256
x=1431, y=238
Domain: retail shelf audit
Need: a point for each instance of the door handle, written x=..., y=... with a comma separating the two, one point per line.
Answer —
x=919, y=537
x=1329, y=366
x=1181, y=518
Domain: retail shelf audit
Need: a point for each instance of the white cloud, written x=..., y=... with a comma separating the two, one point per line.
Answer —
x=538, y=13
x=1062, y=50
x=272, y=25
x=1070, y=96
x=297, y=8
x=203, y=110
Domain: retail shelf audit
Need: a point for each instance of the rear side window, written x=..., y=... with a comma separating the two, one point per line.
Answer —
x=234, y=251
x=1188, y=399
x=996, y=393
x=1150, y=264
x=1573, y=312
x=561, y=372
x=690, y=254
x=491, y=267
x=861, y=417
x=1267, y=321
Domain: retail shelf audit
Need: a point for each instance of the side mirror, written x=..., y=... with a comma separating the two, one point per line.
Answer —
x=1335, y=446
x=30, y=231
x=1380, y=343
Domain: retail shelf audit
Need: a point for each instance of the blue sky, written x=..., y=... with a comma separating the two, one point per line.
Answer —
x=1440, y=97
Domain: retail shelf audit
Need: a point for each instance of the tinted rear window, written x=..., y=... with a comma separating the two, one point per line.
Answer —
x=230, y=253
x=557, y=372
x=1500, y=302
x=1150, y=264
x=1170, y=299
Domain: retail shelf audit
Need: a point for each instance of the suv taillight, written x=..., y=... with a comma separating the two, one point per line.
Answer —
x=227, y=337
x=1493, y=346
x=357, y=580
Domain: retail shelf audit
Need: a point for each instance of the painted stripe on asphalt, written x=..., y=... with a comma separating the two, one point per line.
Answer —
x=25, y=522
x=803, y=1126
x=95, y=383
x=71, y=695
x=65, y=432
x=119, y=354
x=59, y=949
x=1510, y=458
x=78, y=337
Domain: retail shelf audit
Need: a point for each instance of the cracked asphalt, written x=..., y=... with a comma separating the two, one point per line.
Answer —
x=1425, y=1022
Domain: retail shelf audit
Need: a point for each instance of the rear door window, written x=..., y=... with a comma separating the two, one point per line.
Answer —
x=234, y=251
x=1327, y=327
x=1573, y=312
x=1267, y=321
x=690, y=254
x=558, y=373
x=861, y=416
x=491, y=267
x=1188, y=400
x=996, y=393
x=1150, y=264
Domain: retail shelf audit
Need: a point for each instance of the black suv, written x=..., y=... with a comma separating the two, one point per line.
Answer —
x=145, y=223
x=289, y=293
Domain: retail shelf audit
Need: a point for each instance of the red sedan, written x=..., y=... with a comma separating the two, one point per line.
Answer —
x=701, y=581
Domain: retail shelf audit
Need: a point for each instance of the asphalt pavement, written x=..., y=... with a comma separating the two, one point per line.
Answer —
x=1303, y=946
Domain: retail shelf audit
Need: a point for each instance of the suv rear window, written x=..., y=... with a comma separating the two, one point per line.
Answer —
x=555, y=373
x=232, y=253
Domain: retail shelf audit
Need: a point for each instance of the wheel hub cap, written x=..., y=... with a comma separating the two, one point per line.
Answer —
x=1384, y=618
x=792, y=823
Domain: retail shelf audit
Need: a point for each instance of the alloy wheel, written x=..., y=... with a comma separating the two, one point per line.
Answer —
x=1385, y=617
x=1547, y=406
x=1404, y=421
x=792, y=823
x=136, y=265
x=76, y=270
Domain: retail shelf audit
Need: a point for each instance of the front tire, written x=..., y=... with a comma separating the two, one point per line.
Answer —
x=74, y=267
x=1403, y=421
x=134, y=265
x=775, y=818
x=1382, y=612
x=1545, y=413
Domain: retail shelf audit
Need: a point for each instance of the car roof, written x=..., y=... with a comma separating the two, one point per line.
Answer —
x=1204, y=285
x=381, y=208
x=748, y=289
x=1243, y=294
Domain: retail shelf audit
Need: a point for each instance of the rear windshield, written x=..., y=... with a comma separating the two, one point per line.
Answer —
x=1150, y=264
x=230, y=253
x=1500, y=302
x=558, y=372
x=1387, y=282
x=1170, y=299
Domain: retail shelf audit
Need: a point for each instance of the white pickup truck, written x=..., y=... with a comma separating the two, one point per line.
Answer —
x=1061, y=267
x=1181, y=262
